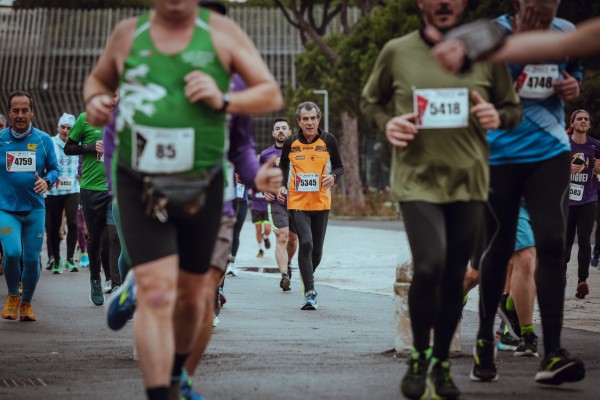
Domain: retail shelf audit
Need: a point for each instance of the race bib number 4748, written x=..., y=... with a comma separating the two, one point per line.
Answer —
x=20, y=161
x=441, y=108
x=537, y=81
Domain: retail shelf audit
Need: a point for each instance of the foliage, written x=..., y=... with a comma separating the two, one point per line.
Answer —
x=81, y=4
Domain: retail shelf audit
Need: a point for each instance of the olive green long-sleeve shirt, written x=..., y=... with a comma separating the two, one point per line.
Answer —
x=439, y=165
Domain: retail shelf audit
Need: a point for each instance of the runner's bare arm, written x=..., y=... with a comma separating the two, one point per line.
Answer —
x=237, y=52
x=104, y=78
x=533, y=46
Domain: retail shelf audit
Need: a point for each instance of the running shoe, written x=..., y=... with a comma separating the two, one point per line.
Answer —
x=267, y=242
x=595, y=257
x=261, y=253
x=120, y=306
x=71, y=267
x=107, y=286
x=56, y=267
x=222, y=297
x=510, y=318
x=85, y=260
x=216, y=321
x=285, y=283
x=440, y=379
x=310, y=303
x=484, y=367
x=96, y=295
x=500, y=330
x=582, y=290
x=527, y=346
x=508, y=343
x=11, y=309
x=414, y=382
x=26, y=311
x=50, y=264
x=187, y=393
x=559, y=367
x=231, y=271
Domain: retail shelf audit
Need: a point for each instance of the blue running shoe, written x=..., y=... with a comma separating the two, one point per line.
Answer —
x=310, y=303
x=595, y=258
x=85, y=260
x=121, y=304
x=187, y=393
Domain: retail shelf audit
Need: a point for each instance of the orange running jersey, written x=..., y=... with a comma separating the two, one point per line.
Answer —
x=309, y=164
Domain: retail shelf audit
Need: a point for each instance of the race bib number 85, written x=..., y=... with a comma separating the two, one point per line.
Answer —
x=441, y=108
x=162, y=150
x=20, y=161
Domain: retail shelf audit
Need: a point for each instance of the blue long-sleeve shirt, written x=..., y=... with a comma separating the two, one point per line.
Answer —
x=17, y=170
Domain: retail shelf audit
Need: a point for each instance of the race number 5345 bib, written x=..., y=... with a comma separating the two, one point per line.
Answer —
x=307, y=182
x=575, y=192
x=20, y=161
x=441, y=108
x=162, y=150
x=537, y=81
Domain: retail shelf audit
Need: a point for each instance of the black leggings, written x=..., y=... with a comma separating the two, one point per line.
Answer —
x=54, y=209
x=441, y=238
x=545, y=187
x=581, y=219
x=310, y=227
x=241, y=207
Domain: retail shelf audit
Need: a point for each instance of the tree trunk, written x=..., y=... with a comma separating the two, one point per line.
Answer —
x=348, y=142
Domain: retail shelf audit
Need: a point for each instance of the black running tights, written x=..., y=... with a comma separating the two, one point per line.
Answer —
x=441, y=238
x=544, y=185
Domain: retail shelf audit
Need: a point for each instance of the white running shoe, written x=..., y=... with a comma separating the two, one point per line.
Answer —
x=231, y=271
x=216, y=321
x=107, y=287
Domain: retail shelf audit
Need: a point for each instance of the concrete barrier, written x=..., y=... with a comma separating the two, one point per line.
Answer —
x=403, y=339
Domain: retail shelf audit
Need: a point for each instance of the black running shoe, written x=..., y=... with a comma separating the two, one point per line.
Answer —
x=267, y=242
x=414, y=382
x=559, y=367
x=510, y=318
x=285, y=283
x=441, y=381
x=484, y=368
x=527, y=346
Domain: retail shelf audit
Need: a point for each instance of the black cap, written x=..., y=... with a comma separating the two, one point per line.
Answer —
x=214, y=5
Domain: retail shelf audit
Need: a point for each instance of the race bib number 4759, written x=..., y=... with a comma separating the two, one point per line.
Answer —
x=441, y=108
x=162, y=150
x=20, y=161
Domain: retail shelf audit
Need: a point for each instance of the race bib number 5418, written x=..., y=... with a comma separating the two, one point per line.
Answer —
x=441, y=108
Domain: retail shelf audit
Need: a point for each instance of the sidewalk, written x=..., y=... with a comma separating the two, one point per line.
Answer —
x=265, y=347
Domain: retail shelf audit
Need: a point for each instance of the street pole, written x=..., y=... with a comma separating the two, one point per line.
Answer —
x=325, y=93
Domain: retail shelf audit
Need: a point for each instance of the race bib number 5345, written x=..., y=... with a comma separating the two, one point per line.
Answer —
x=20, y=161
x=441, y=108
x=307, y=182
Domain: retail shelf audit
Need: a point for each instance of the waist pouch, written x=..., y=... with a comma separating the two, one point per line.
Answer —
x=175, y=195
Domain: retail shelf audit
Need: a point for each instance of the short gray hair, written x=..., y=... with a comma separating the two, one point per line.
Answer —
x=307, y=105
x=3, y=118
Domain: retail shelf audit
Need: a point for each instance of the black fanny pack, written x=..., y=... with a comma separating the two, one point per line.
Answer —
x=184, y=195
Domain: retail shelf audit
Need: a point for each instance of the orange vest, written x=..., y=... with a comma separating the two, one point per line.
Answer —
x=309, y=163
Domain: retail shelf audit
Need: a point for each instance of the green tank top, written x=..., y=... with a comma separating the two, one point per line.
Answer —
x=159, y=130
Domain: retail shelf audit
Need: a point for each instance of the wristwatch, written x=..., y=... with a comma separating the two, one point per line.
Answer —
x=48, y=183
x=226, y=101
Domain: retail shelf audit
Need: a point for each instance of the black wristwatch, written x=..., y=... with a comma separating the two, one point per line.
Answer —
x=48, y=183
x=226, y=101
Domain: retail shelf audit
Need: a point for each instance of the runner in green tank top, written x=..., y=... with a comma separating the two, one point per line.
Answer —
x=171, y=120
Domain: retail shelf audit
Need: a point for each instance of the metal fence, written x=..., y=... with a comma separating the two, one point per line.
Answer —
x=49, y=52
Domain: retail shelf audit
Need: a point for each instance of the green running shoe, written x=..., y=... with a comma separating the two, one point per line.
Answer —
x=96, y=294
x=440, y=379
x=71, y=267
x=56, y=268
x=484, y=367
x=414, y=382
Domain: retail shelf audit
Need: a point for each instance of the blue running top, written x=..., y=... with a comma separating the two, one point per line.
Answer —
x=541, y=135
